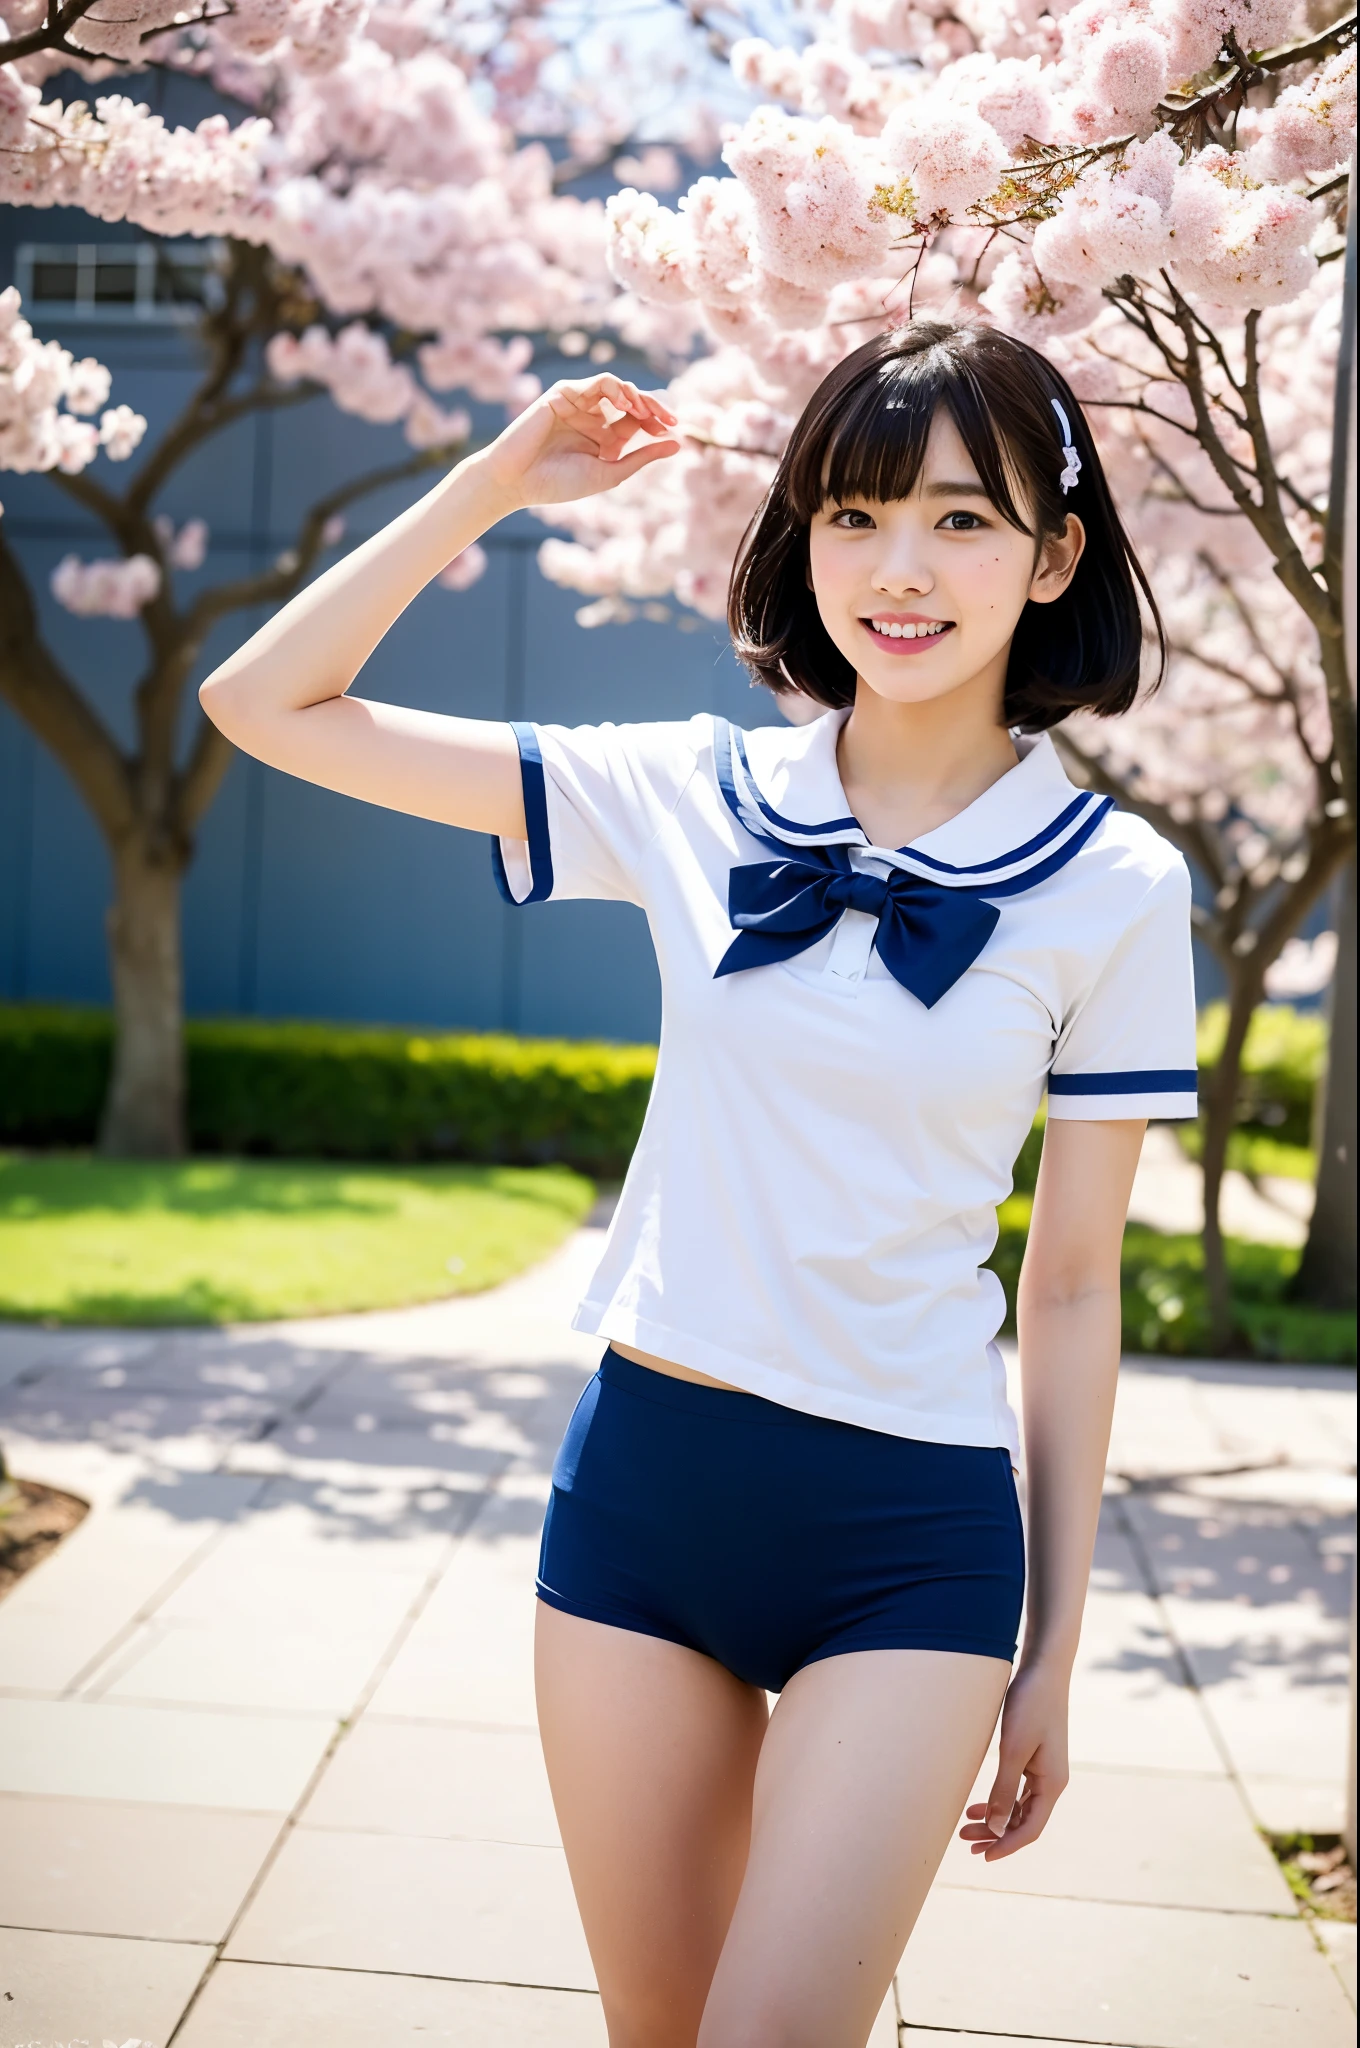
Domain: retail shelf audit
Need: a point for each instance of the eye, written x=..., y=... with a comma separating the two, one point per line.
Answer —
x=962, y=522
x=851, y=520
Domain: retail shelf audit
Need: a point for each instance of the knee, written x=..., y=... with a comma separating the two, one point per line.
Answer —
x=753, y=2029
x=650, y=2023
x=767, y=2023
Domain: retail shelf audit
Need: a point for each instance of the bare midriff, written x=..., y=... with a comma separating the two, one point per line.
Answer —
x=668, y=1366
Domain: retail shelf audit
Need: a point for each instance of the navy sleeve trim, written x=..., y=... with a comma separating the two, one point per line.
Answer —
x=535, y=821
x=1154, y=1081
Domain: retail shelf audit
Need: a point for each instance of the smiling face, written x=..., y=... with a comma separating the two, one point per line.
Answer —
x=922, y=594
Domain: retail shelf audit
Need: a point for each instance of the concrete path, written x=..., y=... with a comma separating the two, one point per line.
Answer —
x=268, y=1770
x=1168, y=1193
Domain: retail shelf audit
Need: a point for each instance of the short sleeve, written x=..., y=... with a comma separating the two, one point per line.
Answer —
x=1128, y=1048
x=595, y=796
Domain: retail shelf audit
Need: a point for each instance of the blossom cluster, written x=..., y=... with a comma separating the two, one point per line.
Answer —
x=40, y=378
x=857, y=160
x=356, y=367
x=106, y=589
x=379, y=172
x=313, y=35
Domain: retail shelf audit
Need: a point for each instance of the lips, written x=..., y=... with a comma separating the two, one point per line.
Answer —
x=906, y=636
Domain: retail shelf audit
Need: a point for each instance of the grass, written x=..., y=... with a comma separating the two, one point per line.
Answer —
x=1316, y=1871
x=1164, y=1298
x=85, y=1240
x=1255, y=1153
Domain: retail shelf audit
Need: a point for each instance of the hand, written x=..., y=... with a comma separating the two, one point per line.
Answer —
x=1033, y=1747
x=571, y=442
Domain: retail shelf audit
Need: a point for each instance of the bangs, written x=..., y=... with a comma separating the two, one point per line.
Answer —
x=870, y=442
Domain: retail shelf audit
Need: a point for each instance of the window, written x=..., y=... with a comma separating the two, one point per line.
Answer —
x=157, y=282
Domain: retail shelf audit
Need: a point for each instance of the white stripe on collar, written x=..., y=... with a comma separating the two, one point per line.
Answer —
x=784, y=785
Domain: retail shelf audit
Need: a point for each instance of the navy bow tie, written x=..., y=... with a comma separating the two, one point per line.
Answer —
x=927, y=936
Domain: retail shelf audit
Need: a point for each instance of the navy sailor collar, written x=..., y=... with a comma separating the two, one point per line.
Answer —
x=784, y=786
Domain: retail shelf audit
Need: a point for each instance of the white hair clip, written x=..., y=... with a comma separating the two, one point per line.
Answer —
x=1071, y=458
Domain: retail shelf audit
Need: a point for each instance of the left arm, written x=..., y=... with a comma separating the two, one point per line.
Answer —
x=1068, y=1315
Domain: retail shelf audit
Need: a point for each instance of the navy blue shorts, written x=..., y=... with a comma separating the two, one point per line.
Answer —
x=766, y=1538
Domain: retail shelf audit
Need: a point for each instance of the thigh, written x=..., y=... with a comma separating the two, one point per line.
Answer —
x=651, y=1752
x=863, y=1775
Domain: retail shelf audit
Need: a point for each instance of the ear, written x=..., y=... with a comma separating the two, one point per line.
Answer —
x=1058, y=558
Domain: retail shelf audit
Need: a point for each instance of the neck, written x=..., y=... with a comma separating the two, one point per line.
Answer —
x=908, y=768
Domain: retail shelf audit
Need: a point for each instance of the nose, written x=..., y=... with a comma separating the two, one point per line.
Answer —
x=899, y=570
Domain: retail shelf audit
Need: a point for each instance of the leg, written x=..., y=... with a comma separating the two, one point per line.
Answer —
x=863, y=1775
x=651, y=1752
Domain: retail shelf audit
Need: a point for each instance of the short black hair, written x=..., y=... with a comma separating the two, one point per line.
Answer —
x=863, y=434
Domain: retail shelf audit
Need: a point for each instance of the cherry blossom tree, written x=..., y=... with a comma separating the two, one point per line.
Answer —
x=381, y=237
x=1151, y=191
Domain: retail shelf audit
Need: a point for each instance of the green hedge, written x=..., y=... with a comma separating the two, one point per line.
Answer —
x=341, y=1091
x=1283, y=1061
x=336, y=1091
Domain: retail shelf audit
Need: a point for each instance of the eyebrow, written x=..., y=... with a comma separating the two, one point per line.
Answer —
x=971, y=489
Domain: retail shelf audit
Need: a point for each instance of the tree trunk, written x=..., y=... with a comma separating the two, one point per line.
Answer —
x=1220, y=1118
x=144, y=1111
x=1326, y=1275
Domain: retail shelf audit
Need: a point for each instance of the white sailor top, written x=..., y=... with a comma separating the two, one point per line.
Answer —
x=855, y=1040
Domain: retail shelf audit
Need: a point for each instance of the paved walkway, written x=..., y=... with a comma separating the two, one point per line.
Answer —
x=1169, y=1194
x=268, y=1773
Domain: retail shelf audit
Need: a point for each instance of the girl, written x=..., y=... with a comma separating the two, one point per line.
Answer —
x=882, y=934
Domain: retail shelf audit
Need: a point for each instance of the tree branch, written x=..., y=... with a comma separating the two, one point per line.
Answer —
x=210, y=756
x=1267, y=516
x=1183, y=112
x=50, y=34
x=1229, y=673
x=277, y=584
x=35, y=685
x=202, y=774
x=1188, y=834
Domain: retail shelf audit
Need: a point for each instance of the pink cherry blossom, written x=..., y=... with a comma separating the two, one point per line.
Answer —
x=950, y=156
x=1311, y=126
x=36, y=379
x=106, y=589
x=18, y=101
x=656, y=170
x=1011, y=94
x=120, y=432
x=185, y=549
x=716, y=257
x=812, y=186
x=88, y=385
x=647, y=247
x=1034, y=307
x=1126, y=69
x=464, y=570
x=1234, y=242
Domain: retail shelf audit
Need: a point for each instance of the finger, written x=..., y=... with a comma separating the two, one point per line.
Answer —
x=588, y=393
x=1004, y=1793
x=623, y=396
x=653, y=451
x=1031, y=1822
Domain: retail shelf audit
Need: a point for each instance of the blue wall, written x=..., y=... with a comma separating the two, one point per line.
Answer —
x=300, y=903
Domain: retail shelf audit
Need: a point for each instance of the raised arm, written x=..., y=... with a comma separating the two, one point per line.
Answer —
x=282, y=696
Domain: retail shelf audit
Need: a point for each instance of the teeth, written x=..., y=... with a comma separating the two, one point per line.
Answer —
x=908, y=632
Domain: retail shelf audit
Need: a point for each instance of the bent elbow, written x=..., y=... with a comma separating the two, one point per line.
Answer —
x=1066, y=1288
x=220, y=702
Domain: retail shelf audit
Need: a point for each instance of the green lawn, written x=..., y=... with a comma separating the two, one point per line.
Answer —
x=86, y=1240
x=1163, y=1290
